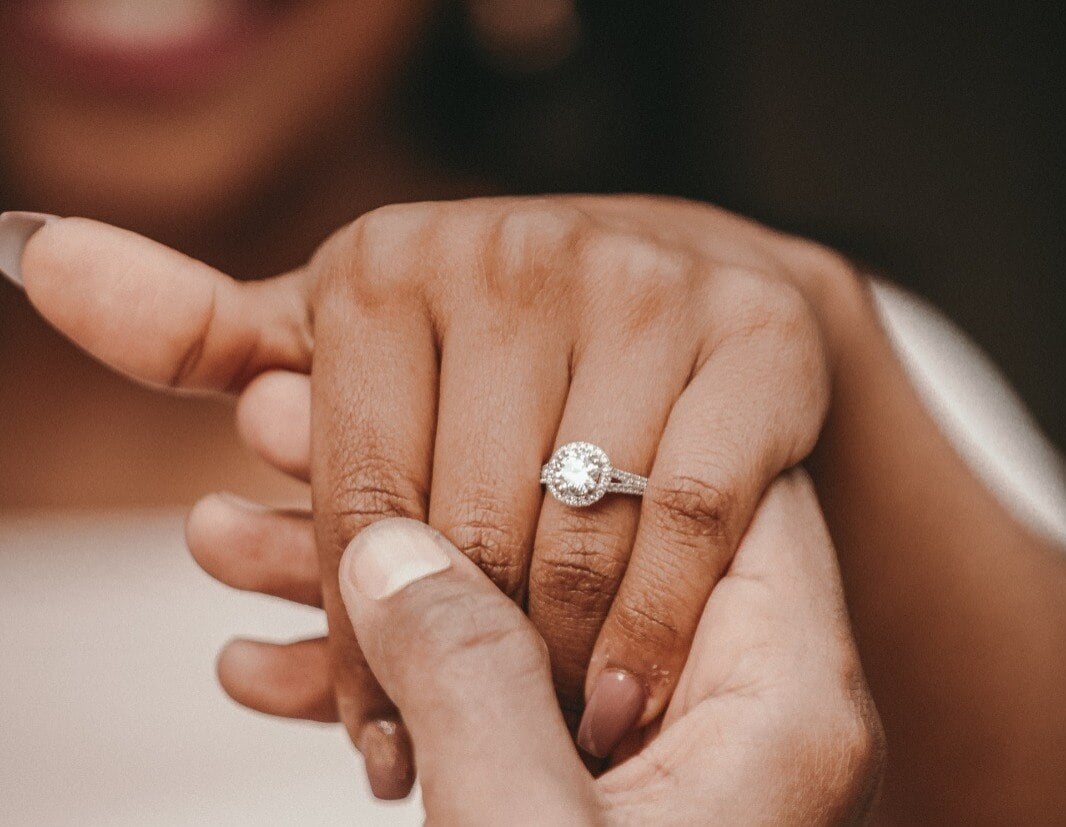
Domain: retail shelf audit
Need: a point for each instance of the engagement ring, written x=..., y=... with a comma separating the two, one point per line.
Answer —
x=579, y=474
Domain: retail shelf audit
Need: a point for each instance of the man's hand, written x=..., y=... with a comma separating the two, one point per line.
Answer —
x=771, y=722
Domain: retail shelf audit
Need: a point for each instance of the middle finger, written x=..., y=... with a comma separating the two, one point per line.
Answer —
x=374, y=386
x=497, y=415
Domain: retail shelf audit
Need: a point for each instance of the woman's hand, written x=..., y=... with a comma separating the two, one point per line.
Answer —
x=455, y=345
x=771, y=721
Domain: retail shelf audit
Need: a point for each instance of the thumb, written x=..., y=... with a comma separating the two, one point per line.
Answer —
x=470, y=676
x=151, y=312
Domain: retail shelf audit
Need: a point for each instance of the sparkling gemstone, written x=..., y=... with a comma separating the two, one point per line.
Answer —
x=578, y=474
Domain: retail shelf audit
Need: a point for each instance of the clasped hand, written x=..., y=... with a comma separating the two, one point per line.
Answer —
x=426, y=362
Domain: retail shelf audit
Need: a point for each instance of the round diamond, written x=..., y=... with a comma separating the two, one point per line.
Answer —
x=578, y=474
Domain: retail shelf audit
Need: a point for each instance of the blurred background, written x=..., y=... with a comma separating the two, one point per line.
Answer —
x=919, y=138
x=923, y=139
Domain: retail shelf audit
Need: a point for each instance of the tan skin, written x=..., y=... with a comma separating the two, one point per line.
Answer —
x=760, y=730
x=958, y=610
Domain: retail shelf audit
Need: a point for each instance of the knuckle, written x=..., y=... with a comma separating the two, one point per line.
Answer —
x=639, y=258
x=768, y=306
x=643, y=625
x=391, y=226
x=648, y=277
x=789, y=312
x=851, y=754
x=530, y=244
x=692, y=508
x=381, y=222
x=487, y=537
x=842, y=747
x=368, y=490
x=540, y=225
x=819, y=267
x=577, y=570
x=860, y=730
x=374, y=259
x=862, y=746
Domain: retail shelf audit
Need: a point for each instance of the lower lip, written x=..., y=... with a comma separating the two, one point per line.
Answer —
x=178, y=65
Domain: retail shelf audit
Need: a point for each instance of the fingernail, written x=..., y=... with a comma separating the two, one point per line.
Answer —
x=386, y=750
x=392, y=554
x=614, y=708
x=16, y=229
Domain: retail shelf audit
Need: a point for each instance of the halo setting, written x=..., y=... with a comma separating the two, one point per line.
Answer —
x=579, y=474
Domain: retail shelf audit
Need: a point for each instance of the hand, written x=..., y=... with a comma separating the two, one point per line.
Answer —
x=661, y=330
x=771, y=721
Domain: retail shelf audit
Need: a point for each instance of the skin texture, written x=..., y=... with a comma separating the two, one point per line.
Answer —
x=770, y=723
x=903, y=562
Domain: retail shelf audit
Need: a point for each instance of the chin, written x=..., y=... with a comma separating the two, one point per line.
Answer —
x=168, y=189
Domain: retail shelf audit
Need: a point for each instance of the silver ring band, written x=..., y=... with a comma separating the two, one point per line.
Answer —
x=580, y=474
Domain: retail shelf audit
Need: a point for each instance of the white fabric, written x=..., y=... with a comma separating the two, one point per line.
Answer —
x=978, y=411
x=109, y=709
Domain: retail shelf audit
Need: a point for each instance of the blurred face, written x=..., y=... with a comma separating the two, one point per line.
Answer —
x=166, y=113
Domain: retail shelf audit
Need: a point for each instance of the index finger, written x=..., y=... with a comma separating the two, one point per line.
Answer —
x=155, y=314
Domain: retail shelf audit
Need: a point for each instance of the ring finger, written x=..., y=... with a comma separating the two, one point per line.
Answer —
x=620, y=398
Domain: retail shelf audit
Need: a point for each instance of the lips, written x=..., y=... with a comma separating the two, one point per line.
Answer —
x=135, y=46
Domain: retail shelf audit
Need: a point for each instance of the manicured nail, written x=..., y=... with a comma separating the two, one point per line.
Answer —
x=16, y=229
x=386, y=749
x=390, y=555
x=614, y=708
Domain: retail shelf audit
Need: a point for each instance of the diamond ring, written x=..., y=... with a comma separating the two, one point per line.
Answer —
x=579, y=474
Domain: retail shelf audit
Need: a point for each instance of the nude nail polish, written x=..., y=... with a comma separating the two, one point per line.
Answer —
x=615, y=705
x=387, y=753
x=16, y=229
x=390, y=555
